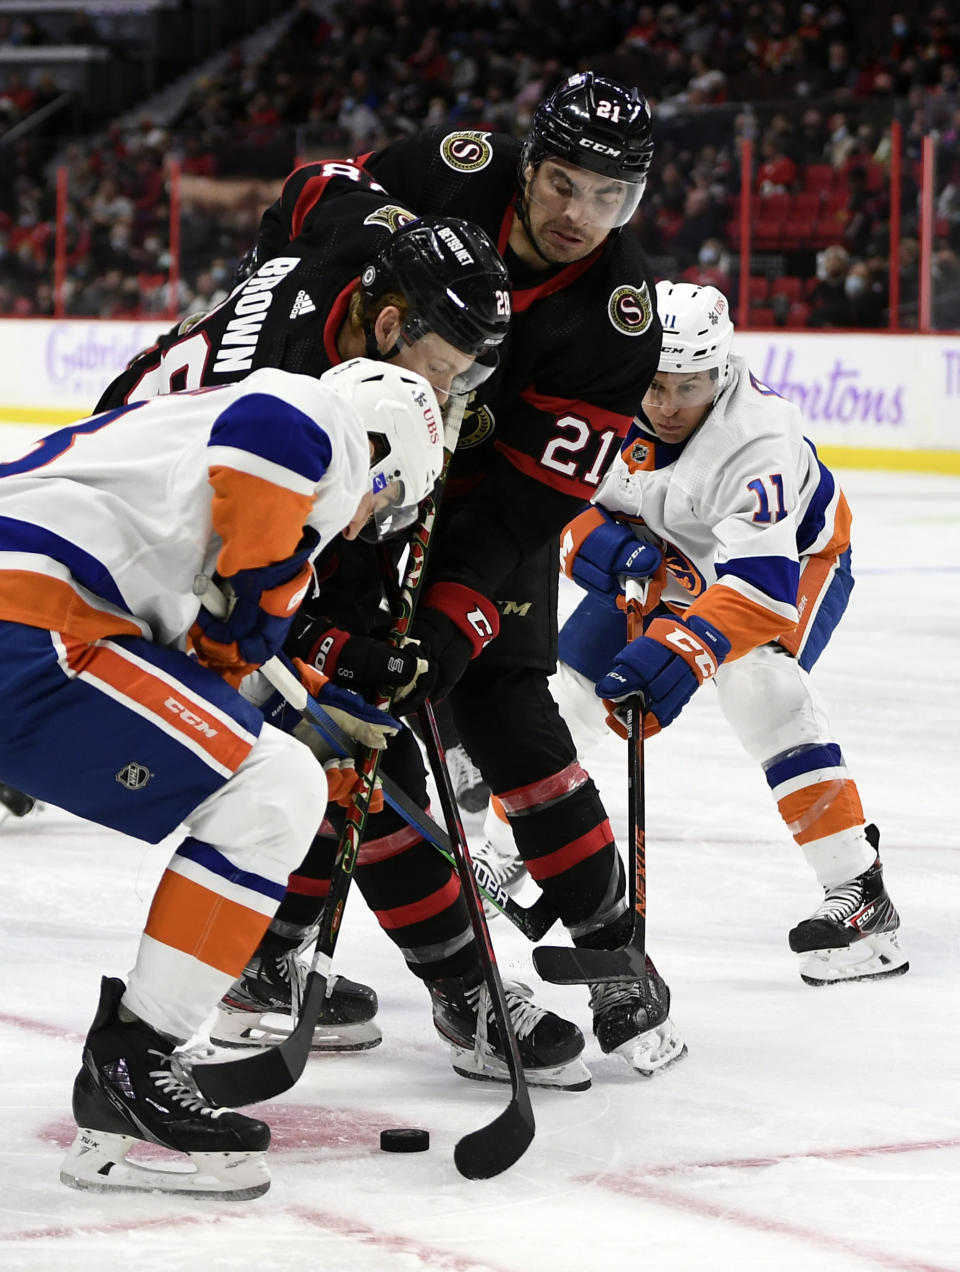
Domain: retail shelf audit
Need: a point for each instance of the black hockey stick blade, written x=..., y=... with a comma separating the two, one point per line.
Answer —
x=263, y=1074
x=566, y=965
x=495, y=1147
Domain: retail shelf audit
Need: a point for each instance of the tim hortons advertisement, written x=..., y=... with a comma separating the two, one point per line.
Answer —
x=857, y=390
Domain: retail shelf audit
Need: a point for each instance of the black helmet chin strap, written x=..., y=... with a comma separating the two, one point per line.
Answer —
x=372, y=348
x=520, y=207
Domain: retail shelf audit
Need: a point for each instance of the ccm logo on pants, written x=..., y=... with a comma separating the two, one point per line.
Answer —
x=190, y=717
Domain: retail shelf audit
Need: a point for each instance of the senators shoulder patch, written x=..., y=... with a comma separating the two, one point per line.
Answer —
x=391, y=215
x=466, y=151
x=631, y=309
x=478, y=424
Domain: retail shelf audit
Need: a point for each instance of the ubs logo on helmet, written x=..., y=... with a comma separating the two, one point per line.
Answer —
x=391, y=215
x=466, y=151
x=630, y=309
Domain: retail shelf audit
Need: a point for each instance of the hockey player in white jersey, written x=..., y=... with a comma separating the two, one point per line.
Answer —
x=745, y=537
x=104, y=527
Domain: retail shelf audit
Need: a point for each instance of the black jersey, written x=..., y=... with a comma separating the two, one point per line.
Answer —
x=583, y=345
x=289, y=312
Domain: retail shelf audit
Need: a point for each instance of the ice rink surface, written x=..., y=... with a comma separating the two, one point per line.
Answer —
x=807, y=1128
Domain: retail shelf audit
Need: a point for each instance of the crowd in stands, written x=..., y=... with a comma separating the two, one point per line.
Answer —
x=815, y=86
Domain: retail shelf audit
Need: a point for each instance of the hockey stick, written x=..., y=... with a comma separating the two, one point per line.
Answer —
x=493, y=1148
x=534, y=921
x=264, y=1074
x=565, y=965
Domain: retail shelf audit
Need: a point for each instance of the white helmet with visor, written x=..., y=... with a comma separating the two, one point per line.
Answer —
x=697, y=335
x=400, y=412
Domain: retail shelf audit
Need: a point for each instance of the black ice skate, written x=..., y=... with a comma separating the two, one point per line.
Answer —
x=260, y=1008
x=853, y=934
x=549, y=1046
x=632, y=1020
x=134, y=1087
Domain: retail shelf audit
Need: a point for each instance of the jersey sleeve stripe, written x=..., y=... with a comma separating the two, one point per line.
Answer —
x=598, y=417
x=277, y=431
x=770, y=576
x=309, y=196
x=531, y=467
x=259, y=522
x=243, y=462
x=744, y=621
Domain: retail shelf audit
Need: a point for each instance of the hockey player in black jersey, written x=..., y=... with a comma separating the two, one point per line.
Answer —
x=583, y=345
x=431, y=294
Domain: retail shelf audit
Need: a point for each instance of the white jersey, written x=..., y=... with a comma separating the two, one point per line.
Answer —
x=737, y=508
x=106, y=523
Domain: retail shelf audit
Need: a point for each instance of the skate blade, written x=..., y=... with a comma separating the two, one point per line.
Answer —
x=572, y=1076
x=96, y=1162
x=871, y=958
x=650, y=1053
x=249, y=1029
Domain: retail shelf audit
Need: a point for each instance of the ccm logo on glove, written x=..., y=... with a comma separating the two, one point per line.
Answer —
x=666, y=666
x=684, y=640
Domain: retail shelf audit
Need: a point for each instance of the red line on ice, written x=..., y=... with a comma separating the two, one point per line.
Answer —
x=825, y=1154
x=40, y=1027
x=433, y=1256
x=640, y=1183
x=342, y=1225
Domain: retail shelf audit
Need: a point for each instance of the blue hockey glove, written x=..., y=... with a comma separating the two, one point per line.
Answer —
x=596, y=552
x=263, y=603
x=666, y=666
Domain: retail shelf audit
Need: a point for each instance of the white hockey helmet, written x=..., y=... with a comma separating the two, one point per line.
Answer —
x=697, y=331
x=400, y=412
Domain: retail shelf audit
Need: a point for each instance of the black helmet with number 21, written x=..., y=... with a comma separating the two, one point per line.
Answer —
x=598, y=124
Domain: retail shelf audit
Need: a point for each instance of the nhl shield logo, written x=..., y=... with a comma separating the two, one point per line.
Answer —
x=630, y=309
x=466, y=151
x=133, y=776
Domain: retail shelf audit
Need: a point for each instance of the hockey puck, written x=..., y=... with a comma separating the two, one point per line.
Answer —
x=404, y=1139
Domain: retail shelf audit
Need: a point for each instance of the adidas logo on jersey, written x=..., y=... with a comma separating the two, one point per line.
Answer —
x=302, y=305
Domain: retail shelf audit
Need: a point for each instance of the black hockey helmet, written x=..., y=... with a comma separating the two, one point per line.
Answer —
x=454, y=281
x=595, y=123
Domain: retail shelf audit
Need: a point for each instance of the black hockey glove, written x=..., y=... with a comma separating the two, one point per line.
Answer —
x=453, y=624
x=362, y=663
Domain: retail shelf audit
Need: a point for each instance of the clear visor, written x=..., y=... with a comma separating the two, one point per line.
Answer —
x=392, y=509
x=673, y=390
x=481, y=369
x=563, y=190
